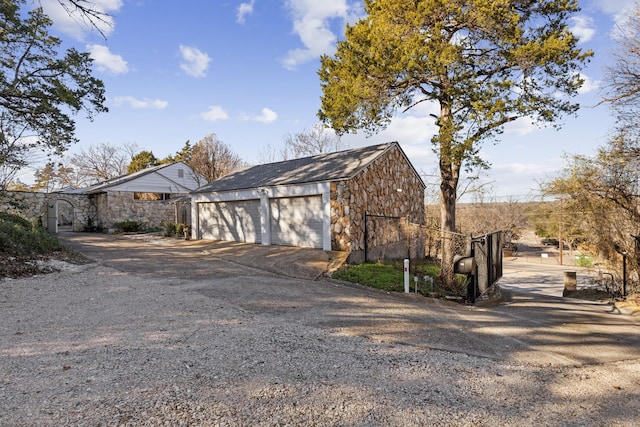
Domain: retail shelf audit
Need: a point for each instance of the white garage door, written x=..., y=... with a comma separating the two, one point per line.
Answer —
x=297, y=221
x=233, y=221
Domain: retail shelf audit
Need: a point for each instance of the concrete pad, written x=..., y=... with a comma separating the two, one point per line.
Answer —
x=303, y=263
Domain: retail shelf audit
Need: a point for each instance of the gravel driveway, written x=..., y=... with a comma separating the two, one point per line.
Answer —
x=106, y=344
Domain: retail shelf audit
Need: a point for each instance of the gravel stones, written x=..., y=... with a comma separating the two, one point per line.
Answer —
x=97, y=347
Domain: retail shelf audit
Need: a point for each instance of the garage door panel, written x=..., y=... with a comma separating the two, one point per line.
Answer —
x=297, y=221
x=233, y=221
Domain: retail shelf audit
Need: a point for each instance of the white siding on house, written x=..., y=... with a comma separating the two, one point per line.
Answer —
x=151, y=183
x=189, y=178
x=164, y=180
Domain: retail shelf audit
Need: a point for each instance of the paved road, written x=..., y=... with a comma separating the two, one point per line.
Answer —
x=536, y=326
x=539, y=279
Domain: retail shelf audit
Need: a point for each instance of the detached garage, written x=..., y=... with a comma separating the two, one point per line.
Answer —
x=237, y=221
x=317, y=202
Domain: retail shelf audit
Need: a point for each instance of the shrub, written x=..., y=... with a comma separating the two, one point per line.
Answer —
x=171, y=229
x=128, y=226
x=174, y=230
x=19, y=237
x=584, y=260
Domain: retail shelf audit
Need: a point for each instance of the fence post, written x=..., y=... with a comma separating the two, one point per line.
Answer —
x=406, y=276
x=366, y=237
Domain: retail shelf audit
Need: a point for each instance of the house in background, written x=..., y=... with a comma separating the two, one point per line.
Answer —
x=319, y=201
x=145, y=196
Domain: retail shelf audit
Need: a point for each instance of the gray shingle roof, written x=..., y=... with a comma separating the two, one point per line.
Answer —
x=319, y=168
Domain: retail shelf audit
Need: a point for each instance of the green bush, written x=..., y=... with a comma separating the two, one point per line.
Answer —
x=129, y=226
x=584, y=260
x=19, y=237
x=170, y=229
x=174, y=230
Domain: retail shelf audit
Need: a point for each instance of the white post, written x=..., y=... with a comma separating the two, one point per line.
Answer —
x=406, y=276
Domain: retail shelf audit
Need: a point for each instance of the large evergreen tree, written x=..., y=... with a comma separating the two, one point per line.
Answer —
x=485, y=63
x=142, y=160
x=40, y=88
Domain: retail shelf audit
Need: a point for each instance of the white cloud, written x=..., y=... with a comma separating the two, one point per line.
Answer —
x=195, y=62
x=589, y=84
x=311, y=20
x=107, y=61
x=620, y=10
x=243, y=10
x=583, y=27
x=68, y=20
x=519, y=168
x=155, y=104
x=413, y=130
x=522, y=126
x=267, y=116
x=613, y=7
x=214, y=113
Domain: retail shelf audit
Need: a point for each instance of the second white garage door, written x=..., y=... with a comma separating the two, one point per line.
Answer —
x=233, y=221
x=296, y=221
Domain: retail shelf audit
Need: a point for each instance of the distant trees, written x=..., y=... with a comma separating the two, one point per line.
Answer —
x=54, y=176
x=95, y=164
x=46, y=178
x=213, y=159
x=317, y=140
x=184, y=155
x=102, y=161
x=605, y=188
x=210, y=158
x=480, y=218
x=142, y=160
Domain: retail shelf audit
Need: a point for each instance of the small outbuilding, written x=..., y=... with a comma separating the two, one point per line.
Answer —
x=319, y=201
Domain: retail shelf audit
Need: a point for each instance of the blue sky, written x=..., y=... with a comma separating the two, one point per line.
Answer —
x=247, y=71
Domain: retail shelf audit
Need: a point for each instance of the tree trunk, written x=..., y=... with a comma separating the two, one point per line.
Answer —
x=448, y=225
x=449, y=175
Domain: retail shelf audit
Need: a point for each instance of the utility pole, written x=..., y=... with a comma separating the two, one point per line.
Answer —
x=560, y=244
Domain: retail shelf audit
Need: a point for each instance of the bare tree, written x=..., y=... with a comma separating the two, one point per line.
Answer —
x=623, y=89
x=86, y=12
x=318, y=140
x=484, y=217
x=269, y=154
x=601, y=196
x=213, y=158
x=101, y=162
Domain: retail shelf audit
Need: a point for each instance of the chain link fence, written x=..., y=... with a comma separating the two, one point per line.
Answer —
x=394, y=238
x=390, y=238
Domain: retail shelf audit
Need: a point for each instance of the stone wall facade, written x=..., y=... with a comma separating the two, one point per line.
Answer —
x=73, y=210
x=101, y=211
x=119, y=206
x=388, y=187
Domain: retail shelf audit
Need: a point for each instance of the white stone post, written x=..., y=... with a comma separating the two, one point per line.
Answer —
x=406, y=276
